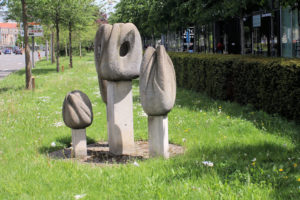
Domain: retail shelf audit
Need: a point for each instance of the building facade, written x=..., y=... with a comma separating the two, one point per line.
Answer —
x=8, y=35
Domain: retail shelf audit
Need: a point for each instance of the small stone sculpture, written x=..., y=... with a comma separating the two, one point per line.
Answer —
x=78, y=114
x=158, y=94
x=118, y=56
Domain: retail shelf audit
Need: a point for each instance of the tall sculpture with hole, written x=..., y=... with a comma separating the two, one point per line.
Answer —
x=118, y=56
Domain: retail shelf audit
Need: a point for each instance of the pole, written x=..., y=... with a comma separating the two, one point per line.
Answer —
x=46, y=52
x=32, y=51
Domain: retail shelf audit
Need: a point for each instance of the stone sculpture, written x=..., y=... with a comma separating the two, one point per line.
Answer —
x=78, y=114
x=158, y=94
x=118, y=56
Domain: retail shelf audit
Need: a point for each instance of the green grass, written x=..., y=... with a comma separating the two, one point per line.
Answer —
x=227, y=134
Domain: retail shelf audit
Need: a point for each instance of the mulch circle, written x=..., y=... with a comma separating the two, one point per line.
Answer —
x=98, y=153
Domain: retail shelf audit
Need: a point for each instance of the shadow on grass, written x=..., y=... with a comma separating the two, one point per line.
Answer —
x=274, y=124
x=37, y=71
x=11, y=88
x=263, y=164
x=60, y=143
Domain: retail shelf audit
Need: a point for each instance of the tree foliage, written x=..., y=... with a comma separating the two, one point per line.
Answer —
x=161, y=16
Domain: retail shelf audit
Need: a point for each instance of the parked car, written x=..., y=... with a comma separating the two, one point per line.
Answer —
x=0, y=52
x=18, y=51
x=7, y=51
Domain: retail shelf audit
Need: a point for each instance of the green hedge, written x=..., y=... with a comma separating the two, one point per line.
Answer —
x=271, y=84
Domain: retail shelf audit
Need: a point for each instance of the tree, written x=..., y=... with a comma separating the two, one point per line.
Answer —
x=78, y=14
x=22, y=9
x=27, y=51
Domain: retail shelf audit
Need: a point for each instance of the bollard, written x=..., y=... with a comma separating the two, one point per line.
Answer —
x=33, y=83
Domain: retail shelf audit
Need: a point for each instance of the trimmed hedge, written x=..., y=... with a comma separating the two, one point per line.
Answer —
x=271, y=84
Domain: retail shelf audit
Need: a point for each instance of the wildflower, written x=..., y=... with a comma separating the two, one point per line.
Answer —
x=253, y=163
x=53, y=144
x=253, y=160
x=79, y=196
x=208, y=163
x=136, y=164
x=58, y=124
x=245, y=154
x=285, y=177
x=142, y=114
x=186, y=130
x=183, y=140
x=298, y=179
x=228, y=117
x=295, y=165
x=281, y=170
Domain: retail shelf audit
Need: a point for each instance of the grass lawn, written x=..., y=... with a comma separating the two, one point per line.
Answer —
x=254, y=155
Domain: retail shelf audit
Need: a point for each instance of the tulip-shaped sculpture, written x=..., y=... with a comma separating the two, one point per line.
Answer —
x=158, y=94
x=118, y=56
x=78, y=114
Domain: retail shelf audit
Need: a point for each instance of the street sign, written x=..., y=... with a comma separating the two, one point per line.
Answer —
x=34, y=29
x=256, y=20
x=188, y=36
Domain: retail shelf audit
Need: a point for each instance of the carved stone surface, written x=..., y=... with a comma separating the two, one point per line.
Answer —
x=118, y=52
x=77, y=110
x=157, y=82
x=101, y=38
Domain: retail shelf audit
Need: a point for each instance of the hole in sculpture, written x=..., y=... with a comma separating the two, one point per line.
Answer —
x=124, y=49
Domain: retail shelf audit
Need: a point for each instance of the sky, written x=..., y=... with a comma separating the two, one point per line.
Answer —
x=110, y=4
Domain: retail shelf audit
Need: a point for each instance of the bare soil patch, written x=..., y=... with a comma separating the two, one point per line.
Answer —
x=98, y=153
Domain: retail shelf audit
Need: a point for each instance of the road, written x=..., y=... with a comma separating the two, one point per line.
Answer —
x=10, y=63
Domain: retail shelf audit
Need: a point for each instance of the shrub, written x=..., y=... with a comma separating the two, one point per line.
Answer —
x=271, y=84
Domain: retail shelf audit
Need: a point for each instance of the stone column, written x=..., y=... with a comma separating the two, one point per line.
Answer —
x=120, y=117
x=79, y=143
x=158, y=136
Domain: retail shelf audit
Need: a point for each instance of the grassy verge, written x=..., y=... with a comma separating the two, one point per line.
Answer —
x=254, y=155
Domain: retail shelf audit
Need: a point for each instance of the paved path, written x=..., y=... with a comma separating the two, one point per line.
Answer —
x=10, y=63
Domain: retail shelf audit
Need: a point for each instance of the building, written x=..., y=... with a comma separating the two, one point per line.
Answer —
x=8, y=34
x=273, y=32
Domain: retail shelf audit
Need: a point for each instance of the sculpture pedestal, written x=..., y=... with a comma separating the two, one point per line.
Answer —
x=120, y=117
x=158, y=136
x=79, y=143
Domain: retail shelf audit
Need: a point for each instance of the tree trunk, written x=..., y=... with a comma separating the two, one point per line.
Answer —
x=167, y=37
x=57, y=44
x=66, y=49
x=52, y=48
x=153, y=42
x=70, y=43
x=27, y=51
x=46, y=52
x=242, y=36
